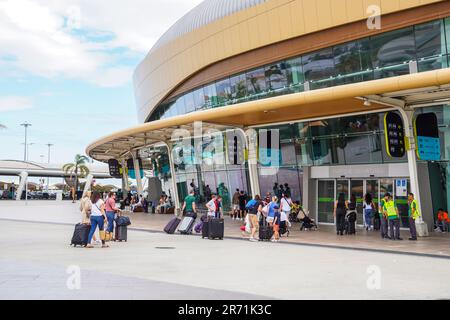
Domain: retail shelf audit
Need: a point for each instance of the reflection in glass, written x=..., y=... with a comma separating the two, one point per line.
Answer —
x=210, y=96
x=199, y=99
x=256, y=81
x=276, y=76
x=318, y=65
x=223, y=89
x=238, y=87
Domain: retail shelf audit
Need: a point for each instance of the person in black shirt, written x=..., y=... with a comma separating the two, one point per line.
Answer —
x=242, y=203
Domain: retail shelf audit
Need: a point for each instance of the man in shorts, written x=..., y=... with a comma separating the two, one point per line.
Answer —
x=235, y=203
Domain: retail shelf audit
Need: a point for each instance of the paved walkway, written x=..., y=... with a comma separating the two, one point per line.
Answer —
x=35, y=259
x=437, y=244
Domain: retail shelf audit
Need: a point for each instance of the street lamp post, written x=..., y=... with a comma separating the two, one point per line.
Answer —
x=49, y=145
x=26, y=125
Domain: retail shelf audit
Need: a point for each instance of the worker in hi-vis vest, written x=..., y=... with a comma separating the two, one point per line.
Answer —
x=383, y=218
x=414, y=215
x=391, y=211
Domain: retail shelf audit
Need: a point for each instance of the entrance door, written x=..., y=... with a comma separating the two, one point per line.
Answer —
x=325, y=195
x=357, y=188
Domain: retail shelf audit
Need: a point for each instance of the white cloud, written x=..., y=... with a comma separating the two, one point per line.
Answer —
x=14, y=103
x=81, y=39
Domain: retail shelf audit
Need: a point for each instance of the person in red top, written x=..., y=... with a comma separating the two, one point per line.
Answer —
x=111, y=210
x=443, y=220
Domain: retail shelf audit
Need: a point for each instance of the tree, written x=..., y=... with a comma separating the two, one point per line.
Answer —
x=77, y=169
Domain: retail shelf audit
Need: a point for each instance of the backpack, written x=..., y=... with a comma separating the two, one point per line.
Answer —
x=250, y=204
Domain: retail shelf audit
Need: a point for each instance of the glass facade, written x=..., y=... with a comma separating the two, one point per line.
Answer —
x=381, y=56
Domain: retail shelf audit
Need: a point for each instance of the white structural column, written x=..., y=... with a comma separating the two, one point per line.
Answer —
x=137, y=171
x=124, y=178
x=408, y=116
x=252, y=141
x=173, y=178
x=88, y=184
x=22, y=185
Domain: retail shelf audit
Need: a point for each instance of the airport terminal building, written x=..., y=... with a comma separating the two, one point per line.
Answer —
x=323, y=74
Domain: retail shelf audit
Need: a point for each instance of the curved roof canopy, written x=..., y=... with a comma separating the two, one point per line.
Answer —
x=206, y=12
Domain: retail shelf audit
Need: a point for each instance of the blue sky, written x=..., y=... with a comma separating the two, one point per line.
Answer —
x=66, y=68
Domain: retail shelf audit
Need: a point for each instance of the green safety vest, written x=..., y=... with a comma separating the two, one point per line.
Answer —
x=414, y=204
x=390, y=209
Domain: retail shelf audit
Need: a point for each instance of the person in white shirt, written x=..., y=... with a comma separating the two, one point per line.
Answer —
x=98, y=218
x=286, y=206
x=211, y=206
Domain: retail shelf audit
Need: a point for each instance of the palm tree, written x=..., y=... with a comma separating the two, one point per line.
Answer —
x=77, y=169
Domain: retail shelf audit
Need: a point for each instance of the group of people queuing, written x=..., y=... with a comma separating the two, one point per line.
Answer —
x=98, y=213
x=386, y=215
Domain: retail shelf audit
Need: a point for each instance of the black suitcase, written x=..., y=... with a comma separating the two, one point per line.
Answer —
x=172, y=226
x=80, y=235
x=265, y=231
x=377, y=223
x=216, y=228
x=205, y=230
x=121, y=234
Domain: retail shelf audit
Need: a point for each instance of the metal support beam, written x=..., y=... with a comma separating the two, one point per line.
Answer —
x=173, y=178
x=124, y=178
x=407, y=116
x=252, y=147
x=137, y=171
x=88, y=184
x=22, y=185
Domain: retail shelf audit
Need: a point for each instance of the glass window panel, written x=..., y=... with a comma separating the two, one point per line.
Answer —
x=328, y=151
x=210, y=96
x=326, y=191
x=199, y=99
x=447, y=33
x=189, y=102
x=238, y=180
x=256, y=82
x=434, y=63
x=238, y=87
x=347, y=58
x=294, y=71
x=276, y=76
x=391, y=71
x=393, y=48
x=318, y=65
x=357, y=149
x=223, y=92
x=430, y=39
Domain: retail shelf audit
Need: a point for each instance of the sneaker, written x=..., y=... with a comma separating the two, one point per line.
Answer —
x=253, y=239
x=273, y=240
x=400, y=239
x=412, y=239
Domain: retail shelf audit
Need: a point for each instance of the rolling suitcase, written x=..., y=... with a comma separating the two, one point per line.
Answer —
x=216, y=228
x=172, y=226
x=186, y=225
x=265, y=231
x=205, y=230
x=121, y=234
x=80, y=235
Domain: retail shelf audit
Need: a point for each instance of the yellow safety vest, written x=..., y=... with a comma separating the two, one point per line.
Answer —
x=390, y=209
x=417, y=214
